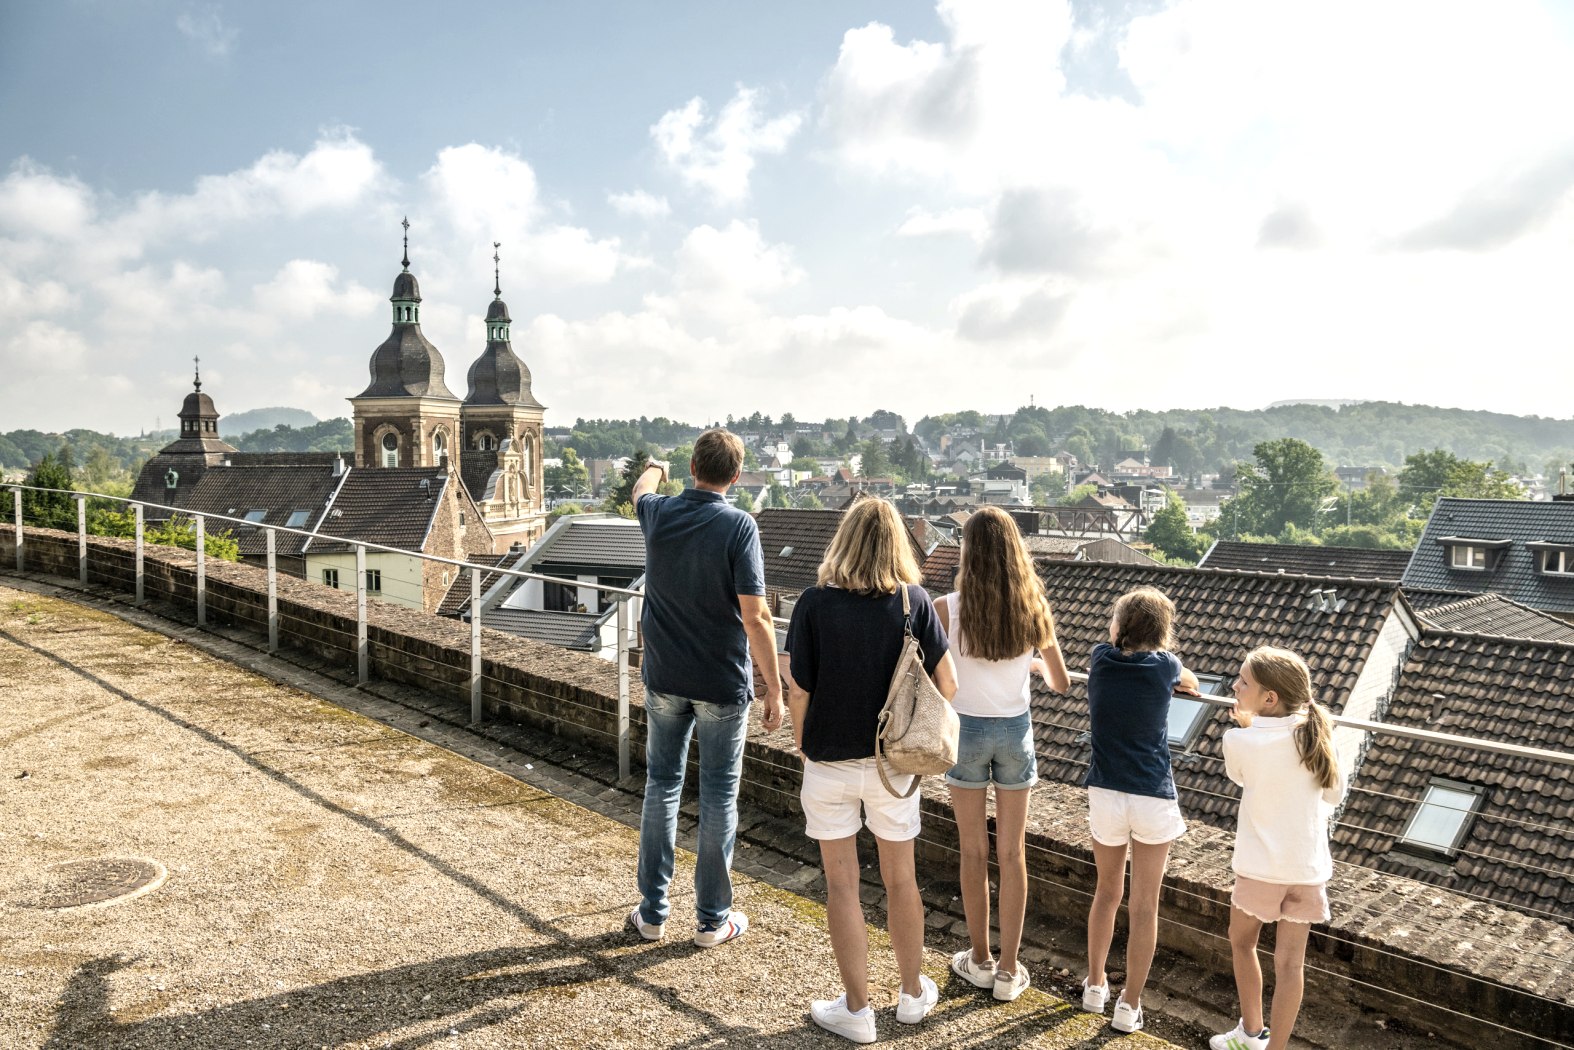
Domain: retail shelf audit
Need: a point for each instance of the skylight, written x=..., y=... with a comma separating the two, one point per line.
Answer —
x=298, y=518
x=1443, y=818
x=256, y=515
x=1188, y=717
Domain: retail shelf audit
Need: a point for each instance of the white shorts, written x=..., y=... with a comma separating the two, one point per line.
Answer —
x=1117, y=818
x=833, y=792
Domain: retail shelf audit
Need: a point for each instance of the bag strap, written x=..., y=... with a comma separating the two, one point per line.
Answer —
x=879, y=764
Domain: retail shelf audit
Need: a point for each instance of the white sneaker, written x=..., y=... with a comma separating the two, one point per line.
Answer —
x=651, y=931
x=711, y=934
x=1127, y=1018
x=1010, y=985
x=1094, y=996
x=833, y=1016
x=1239, y=1040
x=978, y=974
x=911, y=1009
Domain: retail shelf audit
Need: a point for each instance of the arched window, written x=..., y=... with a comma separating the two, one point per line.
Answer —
x=485, y=442
x=390, y=449
x=529, y=458
x=439, y=444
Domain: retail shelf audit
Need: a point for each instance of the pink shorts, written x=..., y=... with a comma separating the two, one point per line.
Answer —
x=1272, y=901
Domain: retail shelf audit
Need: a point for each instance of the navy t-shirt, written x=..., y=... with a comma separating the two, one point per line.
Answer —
x=1129, y=706
x=844, y=647
x=700, y=554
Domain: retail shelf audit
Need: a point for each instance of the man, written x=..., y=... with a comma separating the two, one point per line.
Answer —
x=705, y=613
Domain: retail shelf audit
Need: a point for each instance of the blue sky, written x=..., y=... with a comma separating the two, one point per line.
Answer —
x=821, y=208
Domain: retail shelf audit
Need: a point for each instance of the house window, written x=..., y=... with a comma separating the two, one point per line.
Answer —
x=255, y=514
x=559, y=596
x=390, y=450
x=439, y=444
x=297, y=518
x=1558, y=562
x=374, y=580
x=1188, y=717
x=1466, y=557
x=1443, y=818
x=330, y=577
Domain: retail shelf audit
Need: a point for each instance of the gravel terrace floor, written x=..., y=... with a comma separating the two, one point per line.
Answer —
x=333, y=881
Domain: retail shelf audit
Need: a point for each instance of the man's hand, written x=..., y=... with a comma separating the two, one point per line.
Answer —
x=643, y=485
x=771, y=719
x=661, y=465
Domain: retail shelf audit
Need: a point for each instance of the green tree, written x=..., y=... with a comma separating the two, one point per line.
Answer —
x=809, y=501
x=679, y=459
x=1428, y=475
x=743, y=501
x=876, y=459
x=1286, y=485
x=564, y=508
x=569, y=479
x=1078, y=494
x=622, y=493
x=51, y=510
x=1172, y=534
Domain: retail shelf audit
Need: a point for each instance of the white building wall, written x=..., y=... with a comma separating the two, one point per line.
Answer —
x=1373, y=687
x=401, y=574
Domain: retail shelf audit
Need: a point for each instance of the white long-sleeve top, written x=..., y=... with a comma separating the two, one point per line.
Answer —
x=1282, y=835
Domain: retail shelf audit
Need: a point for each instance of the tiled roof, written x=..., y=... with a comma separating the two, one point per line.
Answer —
x=1054, y=546
x=940, y=570
x=598, y=543
x=1493, y=614
x=793, y=543
x=386, y=505
x=571, y=630
x=1496, y=689
x=1307, y=560
x=1219, y=617
x=280, y=491
x=476, y=468
x=1515, y=574
x=457, y=600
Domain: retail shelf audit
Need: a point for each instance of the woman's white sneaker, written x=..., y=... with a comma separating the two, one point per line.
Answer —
x=978, y=974
x=1094, y=996
x=1239, y=1040
x=1010, y=985
x=1127, y=1018
x=833, y=1016
x=910, y=1009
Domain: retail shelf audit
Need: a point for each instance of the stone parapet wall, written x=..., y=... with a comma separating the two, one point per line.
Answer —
x=1440, y=961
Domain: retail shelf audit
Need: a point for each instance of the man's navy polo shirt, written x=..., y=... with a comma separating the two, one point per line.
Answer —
x=700, y=554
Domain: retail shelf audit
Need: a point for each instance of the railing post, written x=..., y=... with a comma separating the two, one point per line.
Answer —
x=202, y=572
x=141, y=587
x=623, y=687
x=475, y=646
x=273, y=592
x=360, y=614
x=17, y=494
x=81, y=539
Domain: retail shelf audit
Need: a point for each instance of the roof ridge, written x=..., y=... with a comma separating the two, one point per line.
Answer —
x=1201, y=570
x=1440, y=634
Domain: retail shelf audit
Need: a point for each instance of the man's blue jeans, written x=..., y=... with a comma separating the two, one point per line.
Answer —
x=721, y=727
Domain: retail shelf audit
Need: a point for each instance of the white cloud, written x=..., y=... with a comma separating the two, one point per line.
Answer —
x=640, y=205
x=204, y=26
x=42, y=348
x=966, y=222
x=719, y=155
x=304, y=288
x=35, y=201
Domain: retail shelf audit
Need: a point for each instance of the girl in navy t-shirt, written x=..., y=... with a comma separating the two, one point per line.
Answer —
x=1131, y=793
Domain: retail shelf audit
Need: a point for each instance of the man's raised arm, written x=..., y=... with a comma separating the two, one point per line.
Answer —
x=650, y=479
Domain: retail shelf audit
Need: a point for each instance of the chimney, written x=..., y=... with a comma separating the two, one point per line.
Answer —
x=1330, y=600
x=338, y=466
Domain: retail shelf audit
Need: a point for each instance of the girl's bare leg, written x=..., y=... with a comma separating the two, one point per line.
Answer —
x=1111, y=862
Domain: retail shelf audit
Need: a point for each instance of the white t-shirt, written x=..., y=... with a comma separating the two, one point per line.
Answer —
x=1282, y=834
x=985, y=688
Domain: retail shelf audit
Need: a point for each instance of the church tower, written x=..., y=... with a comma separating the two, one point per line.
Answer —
x=407, y=417
x=169, y=475
x=502, y=431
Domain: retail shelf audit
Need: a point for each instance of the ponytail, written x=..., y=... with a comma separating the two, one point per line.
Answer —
x=1314, y=740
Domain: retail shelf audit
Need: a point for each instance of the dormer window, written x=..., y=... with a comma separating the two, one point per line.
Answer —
x=1467, y=554
x=1554, y=559
x=1467, y=557
x=1442, y=820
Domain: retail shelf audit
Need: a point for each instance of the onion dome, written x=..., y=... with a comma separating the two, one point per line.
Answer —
x=498, y=376
x=407, y=364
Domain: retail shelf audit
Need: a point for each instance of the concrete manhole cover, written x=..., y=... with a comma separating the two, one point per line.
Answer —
x=101, y=881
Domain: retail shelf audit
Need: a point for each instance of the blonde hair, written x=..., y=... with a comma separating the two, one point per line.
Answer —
x=871, y=552
x=1144, y=619
x=1284, y=673
x=1000, y=598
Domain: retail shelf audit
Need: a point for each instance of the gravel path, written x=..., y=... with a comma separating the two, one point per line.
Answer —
x=335, y=882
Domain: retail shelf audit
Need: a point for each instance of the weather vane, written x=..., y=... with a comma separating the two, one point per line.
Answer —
x=497, y=280
x=197, y=365
x=406, y=225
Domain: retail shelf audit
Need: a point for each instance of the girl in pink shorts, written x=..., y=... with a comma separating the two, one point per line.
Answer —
x=1283, y=758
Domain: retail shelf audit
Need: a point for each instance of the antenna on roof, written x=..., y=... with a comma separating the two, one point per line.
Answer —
x=406, y=225
x=497, y=281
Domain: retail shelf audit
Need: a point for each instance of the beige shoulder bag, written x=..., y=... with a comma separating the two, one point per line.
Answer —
x=918, y=728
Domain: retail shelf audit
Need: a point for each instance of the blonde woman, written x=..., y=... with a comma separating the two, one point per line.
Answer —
x=1001, y=631
x=844, y=642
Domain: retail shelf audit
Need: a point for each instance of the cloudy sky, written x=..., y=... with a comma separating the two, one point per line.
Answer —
x=817, y=207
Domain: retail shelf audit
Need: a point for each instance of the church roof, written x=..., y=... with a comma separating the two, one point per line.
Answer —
x=407, y=365
x=499, y=377
x=498, y=311
x=405, y=287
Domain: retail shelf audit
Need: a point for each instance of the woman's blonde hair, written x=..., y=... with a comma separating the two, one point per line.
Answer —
x=1286, y=674
x=1001, y=599
x=871, y=552
x=1144, y=619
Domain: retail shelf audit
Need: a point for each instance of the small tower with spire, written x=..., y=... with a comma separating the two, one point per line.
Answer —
x=407, y=416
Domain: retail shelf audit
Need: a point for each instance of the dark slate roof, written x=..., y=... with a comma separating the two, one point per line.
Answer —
x=406, y=287
x=591, y=543
x=1515, y=574
x=499, y=377
x=407, y=365
x=457, y=600
x=233, y=491
x=807, y=532
x=1492, y=688
x=497, y=310
x=570, y=630
x=1219, y=617
x=1307, y=560
x=1494, y=614
x=476, y=469
x=385, y=505
x=940, y=569
x=290, y=459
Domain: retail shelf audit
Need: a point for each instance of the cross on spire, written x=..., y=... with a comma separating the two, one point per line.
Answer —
x=406, y=225
x=197, y=364
x=497, y=280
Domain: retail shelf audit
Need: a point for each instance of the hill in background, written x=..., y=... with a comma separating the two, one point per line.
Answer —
x=237, y=423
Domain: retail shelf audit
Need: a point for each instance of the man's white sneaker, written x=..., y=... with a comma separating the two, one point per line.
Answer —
x=651, y=931
x=978, y=974
x=1010, y=985
x=1127, y=1018
x=833, y=1016
x=1094, y=996
x=1239, y=1040
x=711, y=934
x=910, y=1009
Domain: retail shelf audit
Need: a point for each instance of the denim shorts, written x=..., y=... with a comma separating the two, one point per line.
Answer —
x=995, y=751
